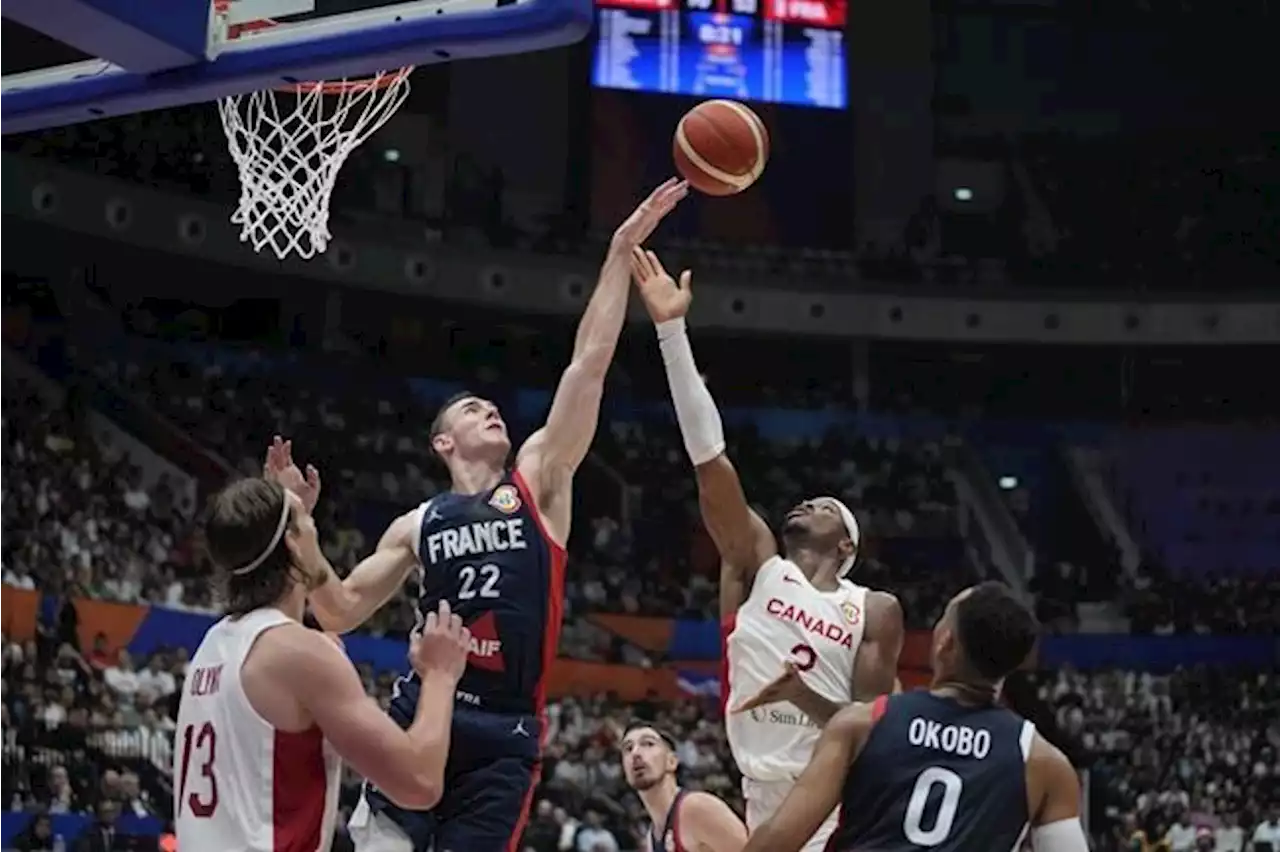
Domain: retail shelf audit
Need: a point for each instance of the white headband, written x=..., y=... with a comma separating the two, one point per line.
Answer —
x=855, y=535
x=275, y=539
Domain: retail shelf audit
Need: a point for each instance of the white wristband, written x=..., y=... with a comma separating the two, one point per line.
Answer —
x=696, y=412
x=1065, y=835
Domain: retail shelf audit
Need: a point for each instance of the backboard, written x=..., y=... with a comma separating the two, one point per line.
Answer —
x=153, y=54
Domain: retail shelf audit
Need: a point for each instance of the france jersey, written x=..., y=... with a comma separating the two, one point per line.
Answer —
x=489, y=556
x=937, y=774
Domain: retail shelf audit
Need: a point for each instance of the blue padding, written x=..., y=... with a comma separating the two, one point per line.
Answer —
x=518, y=28
x=176, y=629
x=71, y=826
x=695, y=640
x=1160, y=653
x=142, y=36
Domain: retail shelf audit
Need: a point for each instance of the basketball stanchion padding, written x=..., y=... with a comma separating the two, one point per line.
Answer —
x=290, y=143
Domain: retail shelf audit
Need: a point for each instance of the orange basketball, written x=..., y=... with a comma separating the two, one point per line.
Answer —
x=720, y=147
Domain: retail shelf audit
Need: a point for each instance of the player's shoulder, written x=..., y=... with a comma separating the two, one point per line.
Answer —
x=1047, y=759
x=884, y=610
x=290, y=648
x=705, y=814
x=857, y=718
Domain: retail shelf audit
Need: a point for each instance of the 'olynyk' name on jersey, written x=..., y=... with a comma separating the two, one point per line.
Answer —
x=476, y=539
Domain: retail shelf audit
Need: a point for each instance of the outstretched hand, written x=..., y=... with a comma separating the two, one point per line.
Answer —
x=645, y=218
x=280, y=467
x=664, y=299
x=786, y=687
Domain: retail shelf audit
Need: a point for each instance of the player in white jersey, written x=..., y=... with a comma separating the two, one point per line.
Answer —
x=802, y=641
x=270, y=708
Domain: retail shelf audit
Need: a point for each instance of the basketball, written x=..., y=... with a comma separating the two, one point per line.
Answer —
x=720, y=147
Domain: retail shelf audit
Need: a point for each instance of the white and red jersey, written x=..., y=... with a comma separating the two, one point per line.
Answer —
x=238, y=782
x=785, y=618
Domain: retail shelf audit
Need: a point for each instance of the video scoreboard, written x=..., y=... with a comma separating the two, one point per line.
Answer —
x=780, y=51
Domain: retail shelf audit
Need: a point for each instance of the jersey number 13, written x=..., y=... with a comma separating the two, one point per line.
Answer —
x=201, y=746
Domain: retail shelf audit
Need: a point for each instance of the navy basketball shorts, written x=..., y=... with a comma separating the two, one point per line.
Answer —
x=493, y=767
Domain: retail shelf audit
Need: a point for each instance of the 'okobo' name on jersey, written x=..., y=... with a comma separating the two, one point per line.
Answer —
x=488, y=555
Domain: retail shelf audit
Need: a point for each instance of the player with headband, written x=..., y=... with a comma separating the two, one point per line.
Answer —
x=802, y=639
x=270, y=707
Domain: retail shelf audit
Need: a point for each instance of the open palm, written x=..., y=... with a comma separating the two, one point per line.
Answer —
x=645, y=218
x=280, y=467
x=663, y=297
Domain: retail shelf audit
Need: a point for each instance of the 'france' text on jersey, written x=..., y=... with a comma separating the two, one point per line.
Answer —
x=489, y=557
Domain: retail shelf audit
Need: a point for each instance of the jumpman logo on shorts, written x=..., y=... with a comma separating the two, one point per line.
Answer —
x=519, y=729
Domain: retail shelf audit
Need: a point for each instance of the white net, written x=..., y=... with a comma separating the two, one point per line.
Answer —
x=289, y=147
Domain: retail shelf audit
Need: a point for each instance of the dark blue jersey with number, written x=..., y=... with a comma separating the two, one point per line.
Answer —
x=488, y=555
x=936, y=774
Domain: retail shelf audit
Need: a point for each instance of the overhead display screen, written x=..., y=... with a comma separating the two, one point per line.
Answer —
x=779, y=51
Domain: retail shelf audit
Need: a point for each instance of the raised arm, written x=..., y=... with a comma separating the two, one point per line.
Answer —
x=742, y=537
x=817, y=792
x=552, y=454
x=343, y=604
x=340, y=604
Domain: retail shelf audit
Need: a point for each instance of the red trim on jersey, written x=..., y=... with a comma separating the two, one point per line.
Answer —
x=550, y=644
x=517, y=834
x=727, y=624
x=675, y=824
x=878, y=707
x=298, y=790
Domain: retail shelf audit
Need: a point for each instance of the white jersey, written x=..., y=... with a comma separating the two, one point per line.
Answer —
x=238, y=782
x=784, y=618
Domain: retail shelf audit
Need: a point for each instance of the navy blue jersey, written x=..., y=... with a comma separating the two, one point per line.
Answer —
x=939, y=775
x=488, y=555
x=668, y=838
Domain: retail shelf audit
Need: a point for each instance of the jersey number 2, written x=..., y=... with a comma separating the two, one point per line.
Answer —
x=204, y=744
x=478, y=584
x=912, y=824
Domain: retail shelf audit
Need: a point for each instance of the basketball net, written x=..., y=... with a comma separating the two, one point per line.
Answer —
x=289, y=145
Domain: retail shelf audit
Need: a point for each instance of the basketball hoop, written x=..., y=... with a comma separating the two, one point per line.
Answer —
x=289, y=144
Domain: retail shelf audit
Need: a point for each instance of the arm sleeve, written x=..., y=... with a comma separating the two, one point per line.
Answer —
x=696, y=411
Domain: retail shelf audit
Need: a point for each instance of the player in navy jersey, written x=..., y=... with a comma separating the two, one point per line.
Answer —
x=493, y=546
x=945, y=769
x=680, y=820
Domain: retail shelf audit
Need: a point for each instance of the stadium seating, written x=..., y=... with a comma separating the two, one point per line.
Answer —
x=1174, y=723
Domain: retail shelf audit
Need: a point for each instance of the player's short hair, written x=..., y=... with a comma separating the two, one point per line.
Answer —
x=637, y=724
x=437, y=422
x=240, y=523
x=996, y=630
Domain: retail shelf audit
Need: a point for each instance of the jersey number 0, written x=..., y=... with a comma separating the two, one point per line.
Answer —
x=913, y=822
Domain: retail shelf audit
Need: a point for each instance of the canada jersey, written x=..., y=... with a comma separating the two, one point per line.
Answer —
x=238, y=782
x=489, y=556
x=935, y=773
x=785, y=618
